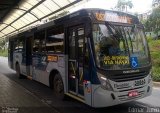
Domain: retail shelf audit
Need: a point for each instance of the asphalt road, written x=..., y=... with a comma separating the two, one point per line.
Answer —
x=149, y=104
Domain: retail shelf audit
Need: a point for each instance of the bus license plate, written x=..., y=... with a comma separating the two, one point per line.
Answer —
x=140, y=82
x=132, y=93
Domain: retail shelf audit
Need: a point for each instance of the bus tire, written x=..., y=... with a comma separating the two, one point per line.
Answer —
x=58, y=87
x=18, y=73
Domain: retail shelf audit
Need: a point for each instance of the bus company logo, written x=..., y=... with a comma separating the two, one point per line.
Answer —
x=123, y=85
x=131, y=71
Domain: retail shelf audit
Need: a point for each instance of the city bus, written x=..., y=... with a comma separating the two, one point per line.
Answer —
x=99, y=57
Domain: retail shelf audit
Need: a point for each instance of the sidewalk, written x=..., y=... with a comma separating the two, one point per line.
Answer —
x=16, y=99
x=156, y=84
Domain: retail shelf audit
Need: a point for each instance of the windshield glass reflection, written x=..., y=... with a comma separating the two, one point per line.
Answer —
x=115, y=46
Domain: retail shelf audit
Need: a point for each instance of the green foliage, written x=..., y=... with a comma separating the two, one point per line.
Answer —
x=153, y=21
x=123, y=5
x=155, y=55
x=4, y=53
x=156, y=74
x=2, y=43
x=147, y=26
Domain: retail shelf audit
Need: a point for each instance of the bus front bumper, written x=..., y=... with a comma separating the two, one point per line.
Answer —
x=105, y=98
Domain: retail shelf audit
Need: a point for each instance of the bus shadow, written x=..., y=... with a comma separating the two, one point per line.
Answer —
x=69, y=105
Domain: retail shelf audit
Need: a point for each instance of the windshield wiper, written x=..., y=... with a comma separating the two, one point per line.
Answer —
x=117, y=34
x=108, y=25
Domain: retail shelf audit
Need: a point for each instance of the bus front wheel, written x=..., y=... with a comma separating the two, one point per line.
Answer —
x=58, y=87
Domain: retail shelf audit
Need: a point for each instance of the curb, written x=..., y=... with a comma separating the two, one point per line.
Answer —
x=156, y=84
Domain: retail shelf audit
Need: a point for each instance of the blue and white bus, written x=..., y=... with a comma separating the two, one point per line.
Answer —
x=96, y=56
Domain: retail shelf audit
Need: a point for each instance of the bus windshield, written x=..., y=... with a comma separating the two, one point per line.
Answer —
x=119, y=47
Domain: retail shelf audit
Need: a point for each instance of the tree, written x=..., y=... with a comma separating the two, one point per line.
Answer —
x=122, y=5
x=2, y=44
x=153, y=23
x=129, y=4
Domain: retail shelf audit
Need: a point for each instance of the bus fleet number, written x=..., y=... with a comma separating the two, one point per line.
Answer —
x=140, y=82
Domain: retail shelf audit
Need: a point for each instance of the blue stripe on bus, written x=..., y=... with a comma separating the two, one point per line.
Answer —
x=93, y=70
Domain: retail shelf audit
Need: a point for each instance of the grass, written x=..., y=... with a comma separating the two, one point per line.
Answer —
x=4, y=53
x=155, y=55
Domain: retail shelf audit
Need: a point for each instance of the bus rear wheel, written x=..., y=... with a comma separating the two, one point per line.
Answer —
x=58, y=87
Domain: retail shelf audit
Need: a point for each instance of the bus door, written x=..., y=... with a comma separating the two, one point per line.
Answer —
x=10, y=53
x=29, y=55
x=76, y=62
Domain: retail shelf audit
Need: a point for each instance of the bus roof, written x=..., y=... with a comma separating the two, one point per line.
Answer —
x=96, y=15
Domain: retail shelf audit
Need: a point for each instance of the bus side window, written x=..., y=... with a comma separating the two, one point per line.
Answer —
x=55, y=39
x=19, y=44
x=72, y=53
x=15, y=46
x=39, y=42
x=81, y=37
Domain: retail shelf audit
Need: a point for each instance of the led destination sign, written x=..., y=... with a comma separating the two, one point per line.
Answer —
x=113, y=17
x=116, y=60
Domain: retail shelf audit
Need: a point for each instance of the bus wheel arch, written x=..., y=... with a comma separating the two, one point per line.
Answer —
x=56, y=83
x=58, y=87
x=51, y=77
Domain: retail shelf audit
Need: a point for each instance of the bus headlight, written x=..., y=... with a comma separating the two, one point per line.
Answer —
x=104, y=82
